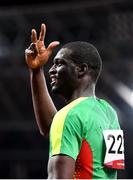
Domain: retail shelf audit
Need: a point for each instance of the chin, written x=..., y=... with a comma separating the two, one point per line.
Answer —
x=55, y=90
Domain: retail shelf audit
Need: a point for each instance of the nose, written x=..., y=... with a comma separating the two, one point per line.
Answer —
x=52, y=70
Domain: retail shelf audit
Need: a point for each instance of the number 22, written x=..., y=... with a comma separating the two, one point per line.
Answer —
x=119, y=140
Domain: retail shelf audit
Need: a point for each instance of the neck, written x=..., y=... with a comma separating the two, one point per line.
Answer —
x=87, y=90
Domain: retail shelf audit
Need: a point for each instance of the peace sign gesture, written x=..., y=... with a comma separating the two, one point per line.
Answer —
x=37, y=54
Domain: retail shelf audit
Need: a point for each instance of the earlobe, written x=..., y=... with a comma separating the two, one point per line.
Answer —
x=82, y=70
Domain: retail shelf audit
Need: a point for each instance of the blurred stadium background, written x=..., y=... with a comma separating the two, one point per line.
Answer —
x=108, y=24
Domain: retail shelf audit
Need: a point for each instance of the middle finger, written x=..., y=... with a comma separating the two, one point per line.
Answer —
x=42, y=32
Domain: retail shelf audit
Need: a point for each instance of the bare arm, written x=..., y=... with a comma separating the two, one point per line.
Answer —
x=61, y=167
x=44, y=108
x=36, y=56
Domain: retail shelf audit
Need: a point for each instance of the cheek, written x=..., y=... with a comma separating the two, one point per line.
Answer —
x=72, y=74
x=66, y=74
x=62, y=73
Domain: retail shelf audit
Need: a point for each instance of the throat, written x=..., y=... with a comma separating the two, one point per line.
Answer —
x=81, y=92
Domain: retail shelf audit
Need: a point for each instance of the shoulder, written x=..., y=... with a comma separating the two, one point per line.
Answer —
x=107, y=105
x=70, y=114
x=110, y=111
x=71, y=108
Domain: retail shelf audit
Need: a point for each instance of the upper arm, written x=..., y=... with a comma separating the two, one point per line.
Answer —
x=65, y=142
x=61, y=167
x=66, y=136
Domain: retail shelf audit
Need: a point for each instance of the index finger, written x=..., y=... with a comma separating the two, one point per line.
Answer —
x=33, y=36
x=42, y=32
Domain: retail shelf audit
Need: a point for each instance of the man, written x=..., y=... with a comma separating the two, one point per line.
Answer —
x=85, y=136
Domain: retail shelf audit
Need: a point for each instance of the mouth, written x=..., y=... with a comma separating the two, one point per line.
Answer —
x=53, y=81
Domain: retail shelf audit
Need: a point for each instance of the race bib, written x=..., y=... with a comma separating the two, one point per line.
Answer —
x=114, y=156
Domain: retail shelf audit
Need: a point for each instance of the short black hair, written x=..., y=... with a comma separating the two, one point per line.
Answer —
x=85, y=52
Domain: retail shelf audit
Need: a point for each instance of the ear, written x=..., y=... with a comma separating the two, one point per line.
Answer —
x=82, y=70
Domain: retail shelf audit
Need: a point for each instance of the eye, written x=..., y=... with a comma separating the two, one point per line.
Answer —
x=59, y=64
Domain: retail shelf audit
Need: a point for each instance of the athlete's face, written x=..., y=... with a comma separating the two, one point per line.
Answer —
x=63, y=73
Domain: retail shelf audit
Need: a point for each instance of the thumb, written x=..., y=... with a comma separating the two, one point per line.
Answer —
x=52, y=46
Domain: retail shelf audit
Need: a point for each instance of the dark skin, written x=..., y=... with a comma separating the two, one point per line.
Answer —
x=36, y=56
x=67, y=79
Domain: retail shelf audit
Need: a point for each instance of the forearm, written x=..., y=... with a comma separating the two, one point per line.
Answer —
x=44, y=107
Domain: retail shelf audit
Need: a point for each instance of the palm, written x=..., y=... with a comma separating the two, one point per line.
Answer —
x=40, y=55
x=37, y=54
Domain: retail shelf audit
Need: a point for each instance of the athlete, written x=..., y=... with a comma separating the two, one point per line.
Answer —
x=86, y=141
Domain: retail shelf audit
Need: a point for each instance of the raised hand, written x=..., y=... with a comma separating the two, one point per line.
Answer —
x=37, y=54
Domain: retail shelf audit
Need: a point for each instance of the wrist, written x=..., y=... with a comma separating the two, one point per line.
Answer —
x=37, y=70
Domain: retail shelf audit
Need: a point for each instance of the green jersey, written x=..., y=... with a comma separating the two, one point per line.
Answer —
x=77, y=131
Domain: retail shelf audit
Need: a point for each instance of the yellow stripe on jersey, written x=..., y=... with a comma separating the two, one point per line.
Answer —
x=58, y=124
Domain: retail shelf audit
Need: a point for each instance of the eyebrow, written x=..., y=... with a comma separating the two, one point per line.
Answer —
x=59, y=59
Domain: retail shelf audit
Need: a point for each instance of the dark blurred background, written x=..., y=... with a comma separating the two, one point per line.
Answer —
x=107, y=24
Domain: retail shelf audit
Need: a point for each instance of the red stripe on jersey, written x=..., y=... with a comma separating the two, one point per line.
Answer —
x=116, y=164
x=84, y=162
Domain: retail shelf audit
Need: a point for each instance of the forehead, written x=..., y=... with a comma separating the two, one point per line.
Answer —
x=63, y=53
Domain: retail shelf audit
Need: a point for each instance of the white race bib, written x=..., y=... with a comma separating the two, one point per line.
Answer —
x=114, y=156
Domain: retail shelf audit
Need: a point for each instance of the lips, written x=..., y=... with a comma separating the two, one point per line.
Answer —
x=53, y=80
